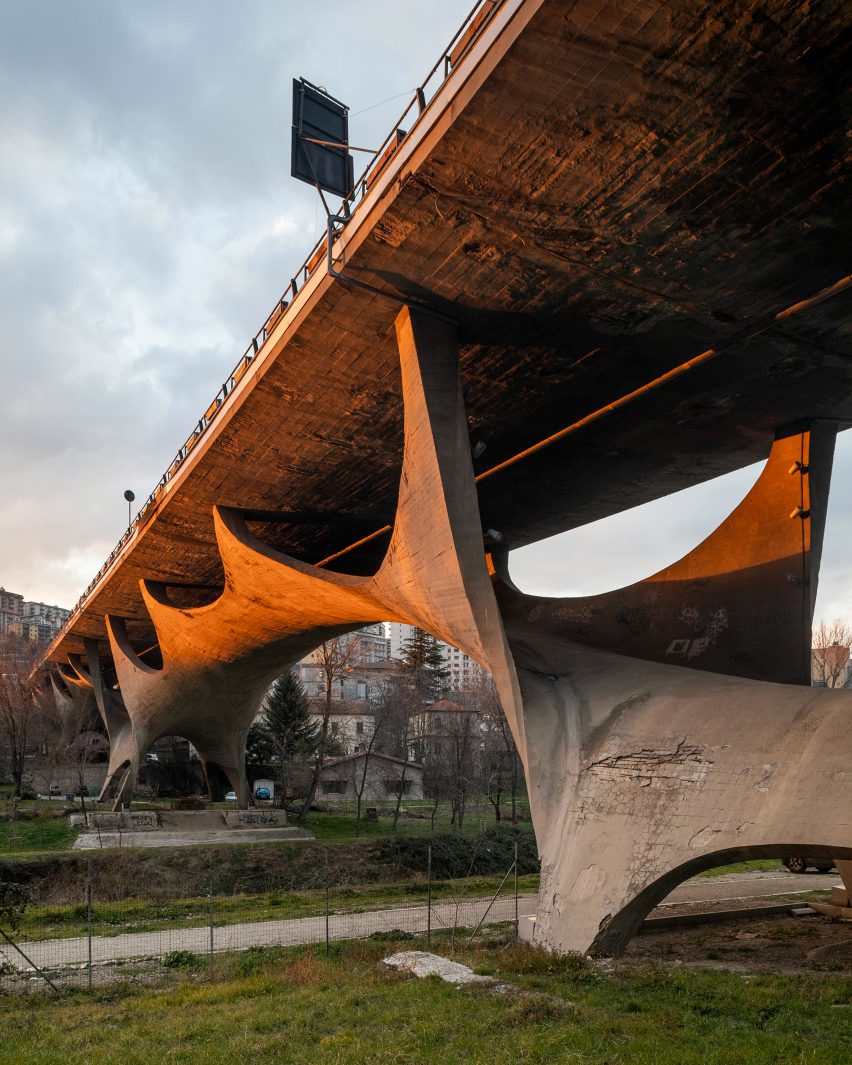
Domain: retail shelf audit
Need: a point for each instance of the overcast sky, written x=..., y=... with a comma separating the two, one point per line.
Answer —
x=147, y=224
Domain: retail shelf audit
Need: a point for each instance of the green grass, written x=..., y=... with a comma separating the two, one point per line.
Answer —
x=41, y=834
x=337, y=827
x=297, y=1006
x=141, y=915
x=341, y=826
x=758, y=865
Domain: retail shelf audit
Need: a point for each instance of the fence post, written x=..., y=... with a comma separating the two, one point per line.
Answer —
x=429, y=895
x=89, y=920
x=30, y=962
x=327, y=937
x=210, y=862
x=517, y=933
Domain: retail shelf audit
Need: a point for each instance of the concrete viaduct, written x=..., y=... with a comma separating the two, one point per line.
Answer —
x=605, y=252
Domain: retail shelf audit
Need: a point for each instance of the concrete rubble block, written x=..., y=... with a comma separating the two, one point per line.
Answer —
x=422, y=964
x=126, y=820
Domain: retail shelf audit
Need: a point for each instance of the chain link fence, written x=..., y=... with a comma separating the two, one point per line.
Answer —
x=90, y=939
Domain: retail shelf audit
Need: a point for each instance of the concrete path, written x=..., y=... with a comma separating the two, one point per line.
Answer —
x=294, y=932
x=412, y=918
x=738, y=886
x=93, y=841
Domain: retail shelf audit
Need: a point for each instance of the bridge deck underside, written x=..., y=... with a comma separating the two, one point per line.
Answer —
x=627, y=189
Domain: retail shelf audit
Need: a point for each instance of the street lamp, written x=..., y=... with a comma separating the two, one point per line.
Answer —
x=129, y=496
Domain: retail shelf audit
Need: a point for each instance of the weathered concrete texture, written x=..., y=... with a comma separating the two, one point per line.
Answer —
x=204, y=837
x=665, y=771
x=219, y=659
x=643, y=773
x=740, y=603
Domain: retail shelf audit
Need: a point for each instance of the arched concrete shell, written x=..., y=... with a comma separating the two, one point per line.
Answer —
x=120, y=780
x=741, y=602
x=219, y=659
x=74, y=703
x=638, y=770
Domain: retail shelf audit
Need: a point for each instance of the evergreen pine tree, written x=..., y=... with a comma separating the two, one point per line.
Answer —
x=425, y=662
x=288, y=719
x=260, y=749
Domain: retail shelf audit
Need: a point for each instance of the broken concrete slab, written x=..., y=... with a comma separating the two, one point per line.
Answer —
x=421, y=963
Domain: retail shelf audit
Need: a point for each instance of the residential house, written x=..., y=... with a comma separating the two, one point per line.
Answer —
x=341, y=778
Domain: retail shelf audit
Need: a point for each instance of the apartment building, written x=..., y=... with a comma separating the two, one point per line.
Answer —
x=463, y=671
x=38, y=622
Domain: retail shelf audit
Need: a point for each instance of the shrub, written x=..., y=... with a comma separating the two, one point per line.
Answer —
x=13, y=902
x=454, y=855
x=183, y=959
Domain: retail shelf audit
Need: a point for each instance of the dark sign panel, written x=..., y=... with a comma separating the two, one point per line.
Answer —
x=320, y=123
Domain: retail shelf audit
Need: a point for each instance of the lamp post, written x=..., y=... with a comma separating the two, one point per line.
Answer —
x=129, y=496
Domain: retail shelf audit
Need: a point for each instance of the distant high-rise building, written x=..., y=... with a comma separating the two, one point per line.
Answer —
x=38, y=622
x=463, y=671
x=11, y=610
x=366, y=662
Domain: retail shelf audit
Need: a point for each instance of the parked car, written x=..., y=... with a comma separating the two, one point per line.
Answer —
x=263, y=793
x=801, y=864
x=231, y=796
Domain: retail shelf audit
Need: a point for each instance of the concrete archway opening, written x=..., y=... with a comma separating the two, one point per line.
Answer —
x=170, y=768
x=622, y=926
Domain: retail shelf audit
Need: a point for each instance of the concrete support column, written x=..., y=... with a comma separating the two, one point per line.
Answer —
x=72, y=697
x=647, y=765
x=124, y=745
x=643, y=774
x=219, y=659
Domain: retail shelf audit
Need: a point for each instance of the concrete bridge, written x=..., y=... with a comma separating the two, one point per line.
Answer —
x=603, y=257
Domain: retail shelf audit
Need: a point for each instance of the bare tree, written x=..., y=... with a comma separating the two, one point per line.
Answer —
x=83, y=748
x=452, y=751
x=19, y=705
x=398, y=700
x=384, y=711
x=830, y=654
x=501, y=767
x=334, y=658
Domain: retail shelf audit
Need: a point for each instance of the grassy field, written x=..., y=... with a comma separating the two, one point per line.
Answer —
x=38, y=835
x=756, y=866
x=44, y=835
x=298, y=1006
